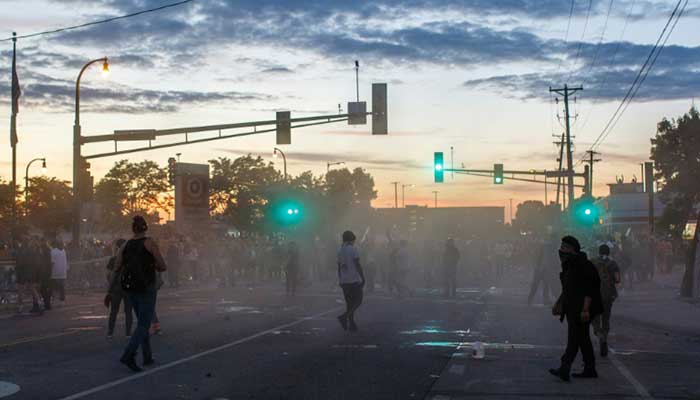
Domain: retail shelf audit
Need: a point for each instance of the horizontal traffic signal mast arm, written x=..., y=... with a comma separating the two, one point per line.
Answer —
x=150, y=135
x=489, y=174
x=548, y=174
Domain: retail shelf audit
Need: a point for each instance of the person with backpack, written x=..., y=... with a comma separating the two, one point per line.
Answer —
x=117, y=296
x=609, y=274
x=137, y=262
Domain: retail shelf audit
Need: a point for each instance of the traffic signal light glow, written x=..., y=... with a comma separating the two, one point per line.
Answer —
x=439, y=167
x=587, y=211
x=498, y=174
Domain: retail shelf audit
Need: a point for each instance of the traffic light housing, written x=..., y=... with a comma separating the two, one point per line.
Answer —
x=439, y=167
x=287, y=213
x=284, y=127
x=86, y=181
x=498, y=174
x=172, y=164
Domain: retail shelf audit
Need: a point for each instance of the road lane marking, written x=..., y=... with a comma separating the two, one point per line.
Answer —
x=217, y=349
x=628, y=375
x=37, y=338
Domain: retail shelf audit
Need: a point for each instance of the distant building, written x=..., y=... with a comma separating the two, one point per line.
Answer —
x=460, y=222
x=627, y=206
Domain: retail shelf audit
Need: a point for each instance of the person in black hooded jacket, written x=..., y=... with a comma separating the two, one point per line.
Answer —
x=579, y=303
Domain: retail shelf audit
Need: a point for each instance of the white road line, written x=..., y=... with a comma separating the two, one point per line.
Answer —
x=628, y=375
x=169, y=365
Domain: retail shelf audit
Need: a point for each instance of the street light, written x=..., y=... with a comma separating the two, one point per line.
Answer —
x=26, y=181
x=284, y=159
x=403, y=193
x=330, y=164
x=77, y=142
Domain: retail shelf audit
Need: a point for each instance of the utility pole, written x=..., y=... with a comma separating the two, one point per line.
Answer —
x=357, y=79
x=396, y=194
x=452, y=161
x=511, y=211
x=566, y=91
x=13, y=139
x=560, y=160
x=435, y=192
x=591, y=160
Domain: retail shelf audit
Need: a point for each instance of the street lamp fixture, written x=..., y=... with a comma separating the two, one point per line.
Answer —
x=105, y=68
x=284, y=159
x=26, y=181
x=77, y=142
x=330, y=164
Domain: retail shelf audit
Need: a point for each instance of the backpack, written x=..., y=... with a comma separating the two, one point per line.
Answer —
x=607, y=280
x=138, y=272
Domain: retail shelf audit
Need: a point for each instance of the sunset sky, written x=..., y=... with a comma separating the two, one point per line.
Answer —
x=469, y=74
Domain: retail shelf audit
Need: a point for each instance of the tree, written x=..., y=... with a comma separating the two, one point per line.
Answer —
x=238, y=189
x=676, y=153
x=49, y=206
x=529, y=216
x=130, y=188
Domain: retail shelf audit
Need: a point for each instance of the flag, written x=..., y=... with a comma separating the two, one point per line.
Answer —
x=16, y=92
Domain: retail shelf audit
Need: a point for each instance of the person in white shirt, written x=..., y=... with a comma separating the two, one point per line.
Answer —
x=59, y=269
x=351, y=280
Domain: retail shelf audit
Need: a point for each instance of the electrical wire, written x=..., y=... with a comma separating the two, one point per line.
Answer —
x=566, y=36
x=646, y=73
x=580, y=43
x=68, y=28
x=643, y=71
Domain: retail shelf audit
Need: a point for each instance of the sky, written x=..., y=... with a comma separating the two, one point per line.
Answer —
x=469, y=75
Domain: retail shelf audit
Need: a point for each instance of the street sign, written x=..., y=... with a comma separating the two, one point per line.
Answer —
x=357, y=113
x=191, y=194
x=379, y=109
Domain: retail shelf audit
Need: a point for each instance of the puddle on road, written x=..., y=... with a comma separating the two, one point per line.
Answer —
x=84, y=312
x=469, y=345
x=239, y=309
x=355, y=346
x=85, y=328
x=8, y=389
x=88, y=317
x=437, y=330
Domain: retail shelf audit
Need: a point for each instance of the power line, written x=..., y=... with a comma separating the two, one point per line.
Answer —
x=566, y=36
x=602, y=36
x=580, y=43
x=610, y=64
x=646, y=73
x=637, y=82
x=68, y=28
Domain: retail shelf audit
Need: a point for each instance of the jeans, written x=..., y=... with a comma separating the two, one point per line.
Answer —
x=60, y=285
x=353, y=299
x=579, y=337
x=144, y=305
x=117, y=298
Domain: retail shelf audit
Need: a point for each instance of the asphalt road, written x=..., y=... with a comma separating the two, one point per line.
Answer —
x=259, y=344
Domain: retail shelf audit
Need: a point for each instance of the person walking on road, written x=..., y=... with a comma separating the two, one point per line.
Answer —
x=609, y=274
x=351, y=279
x=544, y=264
x=26, y=275
x=59, y=270
x=291, y=270
x=118, y=295
x=450, y=259
x=137, y=262
x=579, y=303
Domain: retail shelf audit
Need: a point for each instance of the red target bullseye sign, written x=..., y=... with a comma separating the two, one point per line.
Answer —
x=196, y=193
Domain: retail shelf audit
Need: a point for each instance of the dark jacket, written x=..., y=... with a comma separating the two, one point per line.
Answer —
x=579, y=279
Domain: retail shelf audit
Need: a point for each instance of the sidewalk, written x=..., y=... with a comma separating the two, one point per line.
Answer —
x=659, y=304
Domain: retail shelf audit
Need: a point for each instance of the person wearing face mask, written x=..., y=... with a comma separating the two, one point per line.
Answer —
x=579, y=303
x=609, y=274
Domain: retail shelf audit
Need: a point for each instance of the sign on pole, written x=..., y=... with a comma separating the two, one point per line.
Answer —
x=191, y=194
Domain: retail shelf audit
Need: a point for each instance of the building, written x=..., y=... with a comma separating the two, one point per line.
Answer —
x=627, y=207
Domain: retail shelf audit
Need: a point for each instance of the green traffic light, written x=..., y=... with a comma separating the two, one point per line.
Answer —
x=587, y=211
x=438, y=167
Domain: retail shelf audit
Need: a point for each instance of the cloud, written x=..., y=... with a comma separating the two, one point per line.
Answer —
x=57, y=95
x=277, y=71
